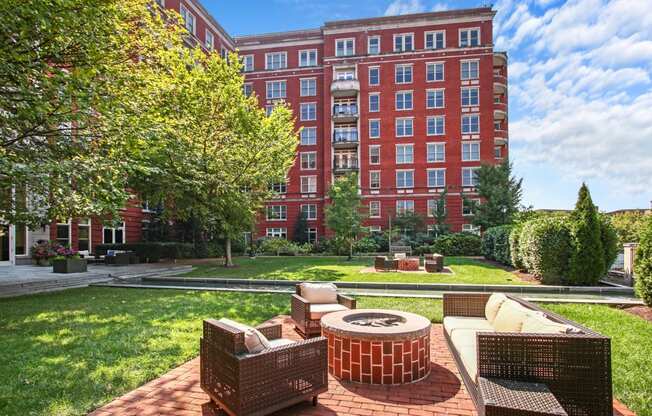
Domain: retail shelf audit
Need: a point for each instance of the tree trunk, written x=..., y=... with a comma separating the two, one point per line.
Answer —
x=228, y=260
x=350, y=250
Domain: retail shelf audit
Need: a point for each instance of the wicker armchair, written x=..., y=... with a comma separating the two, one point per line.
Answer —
x=259, y=384
x=306, y=321
x=575, y=367
x=380, y=263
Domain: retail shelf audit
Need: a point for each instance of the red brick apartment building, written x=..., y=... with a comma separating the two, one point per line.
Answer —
x=413, y=103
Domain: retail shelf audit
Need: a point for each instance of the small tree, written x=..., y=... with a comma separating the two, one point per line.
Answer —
x=301, y=229
x=441, y=214
x=344, y=213
x=587, y=263
x=643, y=263
x=501, y=195
x=409, y=223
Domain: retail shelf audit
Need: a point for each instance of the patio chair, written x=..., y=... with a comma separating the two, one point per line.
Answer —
x=314, y=300
x=380, y=263
x=244, y=383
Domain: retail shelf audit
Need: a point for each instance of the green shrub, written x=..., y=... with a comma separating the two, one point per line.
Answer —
x=610, y=242
x=459, y=244
x=643, y=263
x=488, y=244
x=545, y=248
x=587, y=263
x=514, y=246
x=365, y=245
x=495, y=244
x=278, y=246
x=151, y=251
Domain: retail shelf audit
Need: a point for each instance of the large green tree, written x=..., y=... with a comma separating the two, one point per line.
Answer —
x=501, y=195
x=643, y=263
x=344, y=213
x=71, y=74
x=216, y=152
x=629, y=225
x=587, y=263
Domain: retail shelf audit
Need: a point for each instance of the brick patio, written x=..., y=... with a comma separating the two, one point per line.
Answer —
x=442, y=393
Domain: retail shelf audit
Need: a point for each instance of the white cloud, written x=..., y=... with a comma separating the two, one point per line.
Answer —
x=439, y=7
x=404, y=7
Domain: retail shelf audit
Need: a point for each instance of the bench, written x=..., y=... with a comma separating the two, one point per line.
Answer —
x=400, y=249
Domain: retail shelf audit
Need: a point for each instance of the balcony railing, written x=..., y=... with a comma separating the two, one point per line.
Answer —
x=345, y=87
x=345, y=164
x=345, y=110
x=345, y=136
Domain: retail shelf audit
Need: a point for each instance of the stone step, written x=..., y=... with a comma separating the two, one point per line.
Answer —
x=49, y=286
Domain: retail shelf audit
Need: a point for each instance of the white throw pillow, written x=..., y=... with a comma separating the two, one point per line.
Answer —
x=493, y=305
x=511, y=316
x=319, y=292
x=538, y=323
x=255, y=341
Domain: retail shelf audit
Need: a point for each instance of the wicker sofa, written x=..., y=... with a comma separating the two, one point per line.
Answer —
x=243, y=383
x=573, y=365
x=307, y=311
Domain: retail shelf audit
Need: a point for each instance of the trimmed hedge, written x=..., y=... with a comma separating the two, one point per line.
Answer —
x=151, y=251
x=545, y=248
x=495, y=244
x=516, y=259
x=643, y=265
x=458, y=244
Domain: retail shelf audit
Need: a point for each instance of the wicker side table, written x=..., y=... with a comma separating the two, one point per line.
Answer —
x=517, y=398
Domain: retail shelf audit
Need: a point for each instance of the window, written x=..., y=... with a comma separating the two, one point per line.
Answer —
x=468, y=206
x=308, y=184
x=374, y=179
x=434, y=71
x=375, y=229
x=373, y=45
x=308, y=111
x=188, y=19
x=276, y=89
x=161, y=3
x=374, y=103
x=345, y=47
x=374, y=75
x=210, y=41
x=436, y=152
x=374, y=209
x=308, y=160
x=435, y=126
x=312, y=235
x=276, y=60
x=470, y=228
x=374, y=129
x=404, y=127
x=84, y=235
x=404, y=178
x=113, y=235
x=404, y=207
x=470, y=151
x=345, y=75
x=309, y=136
x=435, y=98
x=470, y=123
x=277, y=213
x=469, y=37
x=248, y=63
x=279, y=187
x=435, y=40
x=403, y=43
x=224, y=53
x=433, y=205
x=469, y=70
x=308, y=57
x=310, y=211
x=403, y=74
x=247, y=89
x=436, y=178
x=469, y=176
x=269, y=109
x=470, y=96
x=498, y=152
x=63, y=233
x=404, y=153
x=308, y=87
x=277, y=232
x=374, y=155
x=404, y=100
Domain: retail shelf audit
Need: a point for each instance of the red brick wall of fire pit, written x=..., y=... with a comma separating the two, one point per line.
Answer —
x=378, y=362
x=409, y=264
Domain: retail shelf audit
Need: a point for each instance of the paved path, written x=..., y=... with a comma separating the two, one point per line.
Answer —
x=442, y=393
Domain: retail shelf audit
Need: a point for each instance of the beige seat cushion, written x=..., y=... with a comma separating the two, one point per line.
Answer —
x=319, y=310
x=400, y=256
x=455, y=323
x=538, y=323
x=466, y=343
x=511, y=316
x=255, y=341
x=493, y=305
x=319, y=292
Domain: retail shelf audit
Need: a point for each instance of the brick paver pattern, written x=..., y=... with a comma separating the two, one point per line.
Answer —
x=441, y=393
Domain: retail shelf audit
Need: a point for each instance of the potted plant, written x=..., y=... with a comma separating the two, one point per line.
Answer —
x=42, y=253
x=68, y=260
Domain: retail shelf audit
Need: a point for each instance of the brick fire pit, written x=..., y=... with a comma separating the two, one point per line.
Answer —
x=377, y=346
x=409, y=264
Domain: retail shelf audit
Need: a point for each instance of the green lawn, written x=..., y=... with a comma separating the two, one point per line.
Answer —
x=67, y=353
x=339, y=269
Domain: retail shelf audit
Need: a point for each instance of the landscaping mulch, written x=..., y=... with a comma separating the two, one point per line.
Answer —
x=525, y=277
x=644, y=312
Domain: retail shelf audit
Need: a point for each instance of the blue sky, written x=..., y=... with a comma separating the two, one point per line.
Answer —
x=580, y=78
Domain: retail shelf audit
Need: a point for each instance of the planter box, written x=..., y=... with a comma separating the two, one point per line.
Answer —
x=69, y=266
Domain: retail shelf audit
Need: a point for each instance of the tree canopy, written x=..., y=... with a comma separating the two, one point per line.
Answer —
x=344, y=213
x=501, y=195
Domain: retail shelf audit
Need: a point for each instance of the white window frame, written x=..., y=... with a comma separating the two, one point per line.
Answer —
x=346, y=40
x=435, y=145
x=404, y=120
x=470, y=73
x=113, y=230
x=475, y=201
x=312, y=235
x=184, y=14
x=465, y=116
x=308, y=52
x=309, y=90
x=467, y=156
x=435, y=91
x=404, y=159
x=443, y=125
x=470, y=95
x=374, y=120
x=374, y=209
x=56, y=229
x=375, y=229
x=373, y=173
x=441, y=171
x=309, y=115
x=282, y=213
x=248, y=88
x=408, y=206
x=375, y=148
x=282, y=91
x=313, y=139
x=245, y=64
x=309, y=183
x=472, y=183
x=470, y=228
x=401, y=68
x=209, y=45
x=469, y=29
x=369, y=45
x=311, y=213
x=89, y=225
x=276, y=232
x=309, y=157
x=376, y=94
x=284, y=61
x=402, y=36
x=405, y=173
x=434, y=39
x=404, y=94
x=282, y=186
x=443, y=71
x=369, y=75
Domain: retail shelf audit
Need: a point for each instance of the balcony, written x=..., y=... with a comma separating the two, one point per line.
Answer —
x=500, y=82
x=500, y=59
x=343, y=165
x=500, y=136
x=345, y=138
x=500, y=105
x=499, y=114
x=345, y=87
x=345, y=113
